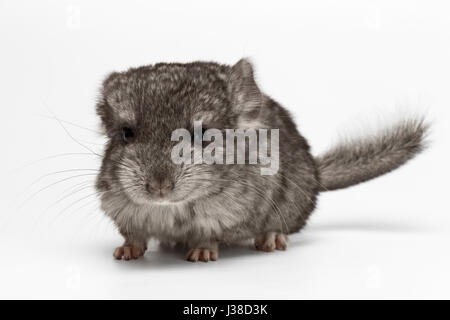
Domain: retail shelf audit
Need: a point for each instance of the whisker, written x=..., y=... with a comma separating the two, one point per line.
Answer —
x=69, y=123
x=56, y=173
x=53, y=184
x=69, y=134
x=51, y=157
x=84, y=187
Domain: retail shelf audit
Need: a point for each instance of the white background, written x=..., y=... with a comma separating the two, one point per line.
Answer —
x=339, y=66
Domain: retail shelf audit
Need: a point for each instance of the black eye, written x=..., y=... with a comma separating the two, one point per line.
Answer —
x=127, y=134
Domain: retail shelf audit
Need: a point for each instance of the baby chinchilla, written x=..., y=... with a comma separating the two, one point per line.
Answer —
x=203, y=206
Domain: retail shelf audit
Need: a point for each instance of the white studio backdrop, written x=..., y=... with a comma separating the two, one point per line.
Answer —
x=340, y=67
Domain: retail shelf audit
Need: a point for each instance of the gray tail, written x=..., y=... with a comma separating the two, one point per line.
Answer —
x=357, y=161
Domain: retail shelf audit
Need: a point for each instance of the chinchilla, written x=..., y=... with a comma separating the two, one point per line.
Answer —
x=205, y=206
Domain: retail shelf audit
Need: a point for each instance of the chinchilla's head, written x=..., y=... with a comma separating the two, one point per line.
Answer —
x=141, y=108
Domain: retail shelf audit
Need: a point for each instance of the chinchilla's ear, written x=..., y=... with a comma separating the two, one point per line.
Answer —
x=104, y=110
x=246, y=96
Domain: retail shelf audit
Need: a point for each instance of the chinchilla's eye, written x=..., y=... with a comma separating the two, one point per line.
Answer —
x=127, y=134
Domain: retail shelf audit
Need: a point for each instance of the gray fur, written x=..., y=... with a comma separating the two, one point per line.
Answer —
x=219, y=204
x=360, y=160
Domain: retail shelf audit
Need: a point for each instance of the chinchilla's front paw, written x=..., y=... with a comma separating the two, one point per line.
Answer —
x=129, y=252
x=203, y=253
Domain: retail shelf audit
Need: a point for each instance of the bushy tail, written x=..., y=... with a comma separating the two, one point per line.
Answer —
x=357, y=161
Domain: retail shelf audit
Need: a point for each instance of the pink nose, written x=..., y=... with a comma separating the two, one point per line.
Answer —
x=159, y=186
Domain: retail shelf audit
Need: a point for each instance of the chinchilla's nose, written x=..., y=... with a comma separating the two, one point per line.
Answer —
x=159, y=185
